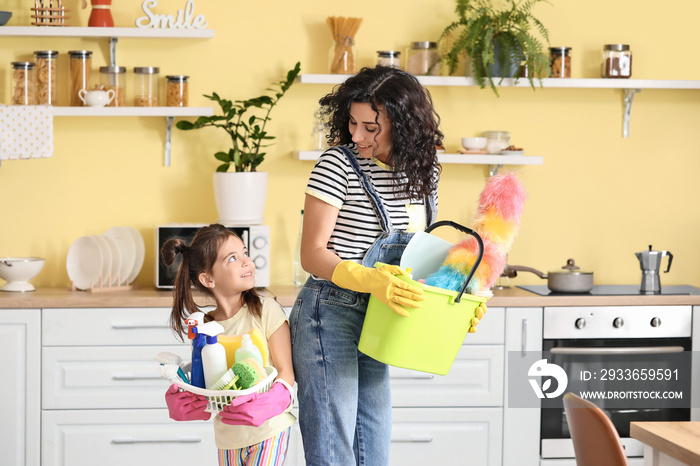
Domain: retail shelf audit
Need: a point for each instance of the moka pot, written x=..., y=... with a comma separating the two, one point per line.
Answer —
x=650, y=262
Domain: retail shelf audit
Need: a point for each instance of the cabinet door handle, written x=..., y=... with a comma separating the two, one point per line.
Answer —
x=414, y=377
x=130, y=326
x=132, y=441
x=136, y=377
x=523, y=338
x=412, y=440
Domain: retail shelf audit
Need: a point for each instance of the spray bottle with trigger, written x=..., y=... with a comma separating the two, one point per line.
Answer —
x=213, y=354
x=198, y=342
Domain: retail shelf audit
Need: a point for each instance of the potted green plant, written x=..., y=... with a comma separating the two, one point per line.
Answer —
x=245, y=122
x=497, y=41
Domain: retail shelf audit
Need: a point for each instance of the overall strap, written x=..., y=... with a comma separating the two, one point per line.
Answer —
x=377, y=204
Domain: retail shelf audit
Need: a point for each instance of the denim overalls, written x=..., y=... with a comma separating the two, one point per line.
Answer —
x=344, y=395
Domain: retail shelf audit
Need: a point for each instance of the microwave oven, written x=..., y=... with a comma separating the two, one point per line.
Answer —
x=255, y=237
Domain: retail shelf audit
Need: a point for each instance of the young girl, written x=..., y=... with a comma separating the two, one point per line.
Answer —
x=254, y=429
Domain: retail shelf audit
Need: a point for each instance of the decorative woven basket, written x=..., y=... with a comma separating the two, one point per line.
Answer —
x=50, y=16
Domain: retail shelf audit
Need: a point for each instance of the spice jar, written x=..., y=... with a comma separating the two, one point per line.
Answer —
x=114, y=77
x=389, y=58
x=22, y=83
x=560, y=62
x=146, y=86
x=617, y=61
x=80, y=65
x=45, y=77
x=176, y=92
x=423, y=59
x=496, y=141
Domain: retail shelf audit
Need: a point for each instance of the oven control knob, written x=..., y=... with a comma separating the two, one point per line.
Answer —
x=618, y=322
x=655, y=322
x=580, y=322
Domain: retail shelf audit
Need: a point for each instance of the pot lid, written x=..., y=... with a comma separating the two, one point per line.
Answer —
x=570, y=269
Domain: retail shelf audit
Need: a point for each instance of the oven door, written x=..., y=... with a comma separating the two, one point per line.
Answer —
x=629, y=379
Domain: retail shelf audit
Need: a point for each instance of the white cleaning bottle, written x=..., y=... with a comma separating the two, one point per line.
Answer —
x=213, y=354
x=248, y=350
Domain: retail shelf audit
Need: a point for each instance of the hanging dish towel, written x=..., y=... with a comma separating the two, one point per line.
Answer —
x=26, y=132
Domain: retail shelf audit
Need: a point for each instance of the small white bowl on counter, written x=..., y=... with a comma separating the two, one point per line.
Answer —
x=17, y=271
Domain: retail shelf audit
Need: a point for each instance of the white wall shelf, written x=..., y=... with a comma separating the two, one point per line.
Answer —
x=71, y=31
x=174, y=112
x=630, y=87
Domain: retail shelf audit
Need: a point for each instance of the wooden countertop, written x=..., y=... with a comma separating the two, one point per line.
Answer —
x=680, y=440
x=286, y=295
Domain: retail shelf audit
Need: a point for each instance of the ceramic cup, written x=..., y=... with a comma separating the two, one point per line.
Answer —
x=96, y=98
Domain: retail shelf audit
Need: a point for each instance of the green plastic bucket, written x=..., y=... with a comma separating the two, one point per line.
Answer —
x=430, y=338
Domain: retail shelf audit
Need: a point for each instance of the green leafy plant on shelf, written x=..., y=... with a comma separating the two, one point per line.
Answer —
x=504, y=38
x=245, y=126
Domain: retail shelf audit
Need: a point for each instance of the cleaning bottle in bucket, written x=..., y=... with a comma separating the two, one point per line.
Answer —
x=248, y=350
x=198, y=342
x=213, y=353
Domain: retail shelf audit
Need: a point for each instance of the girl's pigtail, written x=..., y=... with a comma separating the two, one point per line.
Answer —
x=182, y=293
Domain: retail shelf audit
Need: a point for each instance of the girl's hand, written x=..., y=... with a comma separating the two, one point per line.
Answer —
x=186, y=406
x=256, y=408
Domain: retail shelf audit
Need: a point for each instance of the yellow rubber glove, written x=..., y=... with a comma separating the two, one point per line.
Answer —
x=381, y=283
x=480, y=311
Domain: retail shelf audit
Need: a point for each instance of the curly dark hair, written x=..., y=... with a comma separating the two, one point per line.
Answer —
x=414, y=123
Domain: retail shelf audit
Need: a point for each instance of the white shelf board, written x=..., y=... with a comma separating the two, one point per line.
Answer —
x=523, y=82
x=71, y=31
x=485, y=159
x=134, y=111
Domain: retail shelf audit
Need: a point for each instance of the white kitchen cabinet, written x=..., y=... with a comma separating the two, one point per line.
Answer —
x=20, y=346
x=695, y=381
x=521, y=426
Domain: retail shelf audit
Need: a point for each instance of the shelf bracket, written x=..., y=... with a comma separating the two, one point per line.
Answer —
x=113, y=51
x=168, y=140
x=493, y=169
x=629, y=96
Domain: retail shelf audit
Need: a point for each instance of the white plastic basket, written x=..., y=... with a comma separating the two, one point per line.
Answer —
x=217, y=399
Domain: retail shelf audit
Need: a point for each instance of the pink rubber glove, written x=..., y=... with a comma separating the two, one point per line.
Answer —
x=186, y=406
x=256, y=408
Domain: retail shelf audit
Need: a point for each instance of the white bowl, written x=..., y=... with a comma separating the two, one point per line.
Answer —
x=17, y=271
x=476, y=143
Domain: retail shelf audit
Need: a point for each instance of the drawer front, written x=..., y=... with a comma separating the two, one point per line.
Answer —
x=124, y=437
x=105, y=376
x=475, y=379
x=446, y=436
x=107, y=327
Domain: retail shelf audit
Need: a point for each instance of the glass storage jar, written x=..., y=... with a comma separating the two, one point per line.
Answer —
x=389, y=58
x=45, y=72
x=560, y=62
x=22, y=83
x=176, y=91
x=146, y=86
x=423, y=59
x=114, y=77
x=80, y=66
x=496, y=141
x=617, y=61
x=341, y=57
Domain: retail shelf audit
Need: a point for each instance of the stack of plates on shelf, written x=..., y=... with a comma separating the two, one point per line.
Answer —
x=112, y=259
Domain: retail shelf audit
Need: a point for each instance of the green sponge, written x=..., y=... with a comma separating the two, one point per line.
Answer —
x=249, y=373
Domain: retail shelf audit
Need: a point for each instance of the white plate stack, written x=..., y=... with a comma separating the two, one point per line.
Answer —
x=112, y=259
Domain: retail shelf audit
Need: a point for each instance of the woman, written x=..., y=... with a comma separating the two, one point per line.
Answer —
x=365, y=198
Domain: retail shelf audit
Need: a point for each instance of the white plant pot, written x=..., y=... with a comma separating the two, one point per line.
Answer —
x=240, y=197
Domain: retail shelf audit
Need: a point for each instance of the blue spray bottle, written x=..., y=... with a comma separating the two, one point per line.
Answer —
x=198, y=342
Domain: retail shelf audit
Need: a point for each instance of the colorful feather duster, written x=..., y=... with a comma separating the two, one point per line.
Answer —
x=497, y=221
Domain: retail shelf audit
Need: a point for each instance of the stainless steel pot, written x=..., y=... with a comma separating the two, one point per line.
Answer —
x=569, y=279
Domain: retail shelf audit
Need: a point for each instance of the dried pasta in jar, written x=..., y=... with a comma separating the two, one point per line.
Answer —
x=176, y=91
x=22, y=83
x=80, y=67
x=114, y=78
x=146, y=86
x=46, y=77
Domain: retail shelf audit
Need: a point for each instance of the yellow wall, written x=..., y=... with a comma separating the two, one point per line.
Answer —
x=598, y=197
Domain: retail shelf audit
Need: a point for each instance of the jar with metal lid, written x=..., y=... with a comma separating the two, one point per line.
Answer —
x=617, y=61
x=80, y=67
x=423, y=59
x=114, y=78
x=560, y=62
x=389, y=58
x=45, y=73
x=496, y=141
x=176, y=91
x=341, y=57
x=146, y=86
x=22, y=83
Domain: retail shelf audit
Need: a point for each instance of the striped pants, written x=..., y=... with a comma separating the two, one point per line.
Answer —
x=270, y=452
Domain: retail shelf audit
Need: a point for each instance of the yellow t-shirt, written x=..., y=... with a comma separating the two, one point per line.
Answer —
x=232, y=437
